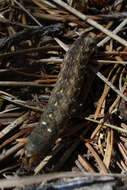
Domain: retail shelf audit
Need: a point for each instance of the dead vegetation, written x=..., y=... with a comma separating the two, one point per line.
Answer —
x=34, y=37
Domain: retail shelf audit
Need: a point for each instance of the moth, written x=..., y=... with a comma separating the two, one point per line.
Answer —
x=62, y=102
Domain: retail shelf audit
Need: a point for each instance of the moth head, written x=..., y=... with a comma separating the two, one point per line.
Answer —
x=36, y=149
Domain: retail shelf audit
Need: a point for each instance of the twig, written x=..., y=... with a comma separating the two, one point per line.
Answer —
x=90, y=21
x=21, y=103
x=108, y=83
x=20, y=181
x=12, y=138
x=19, y=84
x=13, y=125
x=11, y=151
x=117, y=29
x=102, y=166
x=112, y=53
x=85, y=164
x=112, y=62
x=107, y=125
x=38, y=23
x=19, y=4
x=25, y=51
